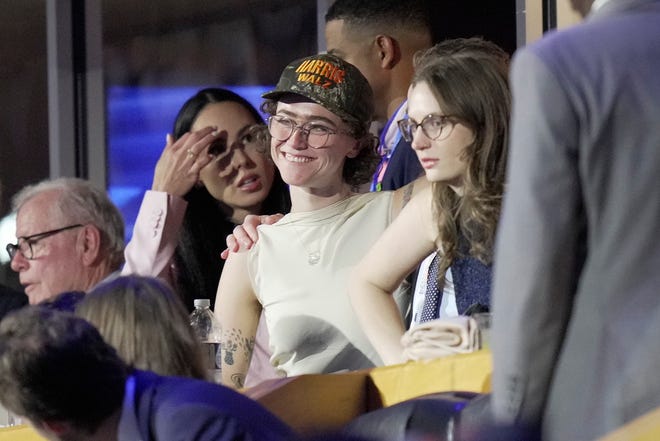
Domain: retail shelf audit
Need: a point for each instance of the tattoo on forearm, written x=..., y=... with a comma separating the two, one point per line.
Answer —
x=238, y=380
x=236, y=345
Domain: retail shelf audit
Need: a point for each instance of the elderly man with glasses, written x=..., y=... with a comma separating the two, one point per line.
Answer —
x=70, y=238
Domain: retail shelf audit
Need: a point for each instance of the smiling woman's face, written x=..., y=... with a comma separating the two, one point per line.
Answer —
x=241, y=176
x=299, y=164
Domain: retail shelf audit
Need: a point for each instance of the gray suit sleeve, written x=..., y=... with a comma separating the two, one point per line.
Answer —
x=537, y=258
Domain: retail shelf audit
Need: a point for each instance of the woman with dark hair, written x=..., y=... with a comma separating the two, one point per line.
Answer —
x=213, y=172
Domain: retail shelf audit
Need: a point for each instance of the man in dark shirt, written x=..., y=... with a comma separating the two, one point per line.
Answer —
x=380, y=37
x=57, y=372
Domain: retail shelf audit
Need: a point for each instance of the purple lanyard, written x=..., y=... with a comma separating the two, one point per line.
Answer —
x=385, y=152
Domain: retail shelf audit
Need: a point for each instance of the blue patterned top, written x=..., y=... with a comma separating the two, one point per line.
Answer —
x=472, y=282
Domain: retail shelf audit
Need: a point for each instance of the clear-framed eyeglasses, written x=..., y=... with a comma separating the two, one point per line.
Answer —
x=315, y=134
x=435, y=127
x=25, y=244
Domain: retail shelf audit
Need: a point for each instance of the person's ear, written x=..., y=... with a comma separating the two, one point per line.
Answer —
x=353, y=152
x=91, y=244
x=388, y=51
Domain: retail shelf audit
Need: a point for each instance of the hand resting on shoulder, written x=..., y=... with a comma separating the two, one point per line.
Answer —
x=246, y=235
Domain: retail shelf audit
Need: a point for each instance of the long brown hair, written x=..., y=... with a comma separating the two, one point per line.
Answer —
x=469, y=79
x=147, y=324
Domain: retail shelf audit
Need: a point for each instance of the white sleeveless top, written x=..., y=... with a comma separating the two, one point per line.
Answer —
x=299, y=270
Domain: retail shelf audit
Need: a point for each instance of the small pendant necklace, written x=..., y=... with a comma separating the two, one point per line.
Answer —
x=313, y=258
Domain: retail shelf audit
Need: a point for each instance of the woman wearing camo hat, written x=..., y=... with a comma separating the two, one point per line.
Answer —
x=297, y=272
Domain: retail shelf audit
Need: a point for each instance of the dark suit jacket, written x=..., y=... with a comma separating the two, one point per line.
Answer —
x=10, y=300
x=403, y=168
x=172, y=408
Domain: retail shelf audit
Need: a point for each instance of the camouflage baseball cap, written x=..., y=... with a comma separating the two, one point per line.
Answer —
x=331, y=82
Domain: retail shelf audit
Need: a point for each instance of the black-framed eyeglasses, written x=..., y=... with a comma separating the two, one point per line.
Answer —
x=25, y=244
x=315, y=134
x=435, y=127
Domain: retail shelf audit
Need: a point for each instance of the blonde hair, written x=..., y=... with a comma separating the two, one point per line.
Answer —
x=147, y=324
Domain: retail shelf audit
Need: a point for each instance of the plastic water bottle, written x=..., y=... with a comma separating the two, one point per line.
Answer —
x=208, y=331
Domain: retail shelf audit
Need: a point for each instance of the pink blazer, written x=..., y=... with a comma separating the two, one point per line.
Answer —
x=151, y=251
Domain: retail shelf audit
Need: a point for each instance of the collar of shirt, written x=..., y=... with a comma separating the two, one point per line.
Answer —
x=391, y=135
x=387, y=142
